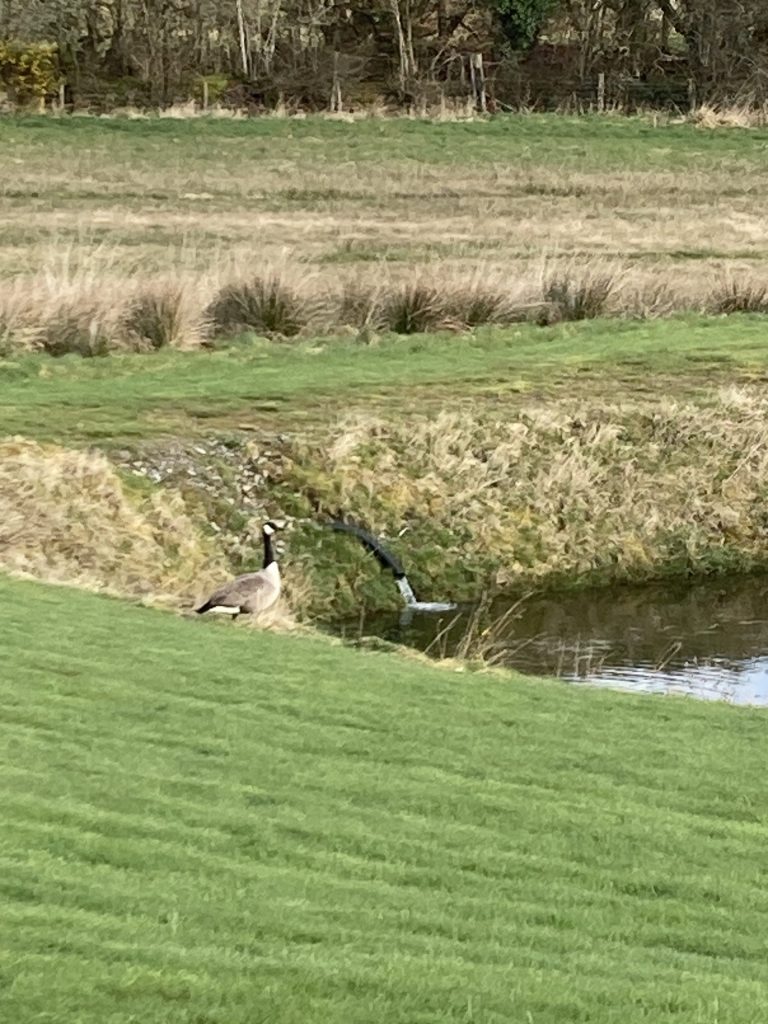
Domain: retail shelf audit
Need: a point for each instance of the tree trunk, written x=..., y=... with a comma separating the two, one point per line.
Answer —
x=477, y=74
x=442, y=21
x=401, y=47
x=245, y=63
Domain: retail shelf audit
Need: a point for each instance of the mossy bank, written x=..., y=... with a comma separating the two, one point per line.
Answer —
x=546, y=497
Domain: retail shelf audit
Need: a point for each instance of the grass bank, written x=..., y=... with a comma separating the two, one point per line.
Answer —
x=272, y=385
x=521, y=458
x=205, y=824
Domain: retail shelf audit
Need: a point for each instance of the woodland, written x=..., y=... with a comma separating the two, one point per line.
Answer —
x=345, y=55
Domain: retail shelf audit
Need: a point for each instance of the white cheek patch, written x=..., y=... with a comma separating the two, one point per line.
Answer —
x=268, y=530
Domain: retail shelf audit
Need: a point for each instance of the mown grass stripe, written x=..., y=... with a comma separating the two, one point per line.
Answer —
x=208, y=824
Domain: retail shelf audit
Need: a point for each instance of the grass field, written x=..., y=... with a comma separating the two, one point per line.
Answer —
x=94, y=210
x=205, y=825
x=308, y=385
x=399, y=190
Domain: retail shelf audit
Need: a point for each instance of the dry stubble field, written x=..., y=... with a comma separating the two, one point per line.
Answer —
x=668, y=213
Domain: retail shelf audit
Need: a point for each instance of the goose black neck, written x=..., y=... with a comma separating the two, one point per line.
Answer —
x=268, y=553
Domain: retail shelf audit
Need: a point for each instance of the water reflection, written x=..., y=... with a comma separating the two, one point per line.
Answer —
x=708, y=640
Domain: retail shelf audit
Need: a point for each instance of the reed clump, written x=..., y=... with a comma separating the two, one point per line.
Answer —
x=162, y=317
x=90, y=312
x=576, y=292
x=269, y=304
x=746, y=294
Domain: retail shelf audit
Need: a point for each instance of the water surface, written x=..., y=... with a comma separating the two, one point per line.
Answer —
x=707, y=640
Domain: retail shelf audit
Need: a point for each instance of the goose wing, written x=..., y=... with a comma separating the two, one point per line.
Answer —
x=252, y=592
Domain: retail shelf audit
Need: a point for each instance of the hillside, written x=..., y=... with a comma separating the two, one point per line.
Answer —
x=206, y=824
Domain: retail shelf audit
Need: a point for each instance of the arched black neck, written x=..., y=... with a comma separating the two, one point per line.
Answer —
x=269, y=556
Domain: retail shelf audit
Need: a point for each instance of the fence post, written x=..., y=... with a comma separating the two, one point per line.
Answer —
x=205, y=94
x=601, y=93
x=692, y=95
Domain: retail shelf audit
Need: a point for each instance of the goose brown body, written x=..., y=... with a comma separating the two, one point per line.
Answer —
x=251, y=593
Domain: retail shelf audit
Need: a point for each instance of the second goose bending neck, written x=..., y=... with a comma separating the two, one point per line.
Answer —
x=269, y=564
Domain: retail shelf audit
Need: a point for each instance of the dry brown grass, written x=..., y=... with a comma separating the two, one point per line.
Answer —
x=747, y=114
x=234, y=213
x=747, y=294
x=65, y=517
x=92, y=313
x=554, y=494
x=82, y=301
x=543, y=495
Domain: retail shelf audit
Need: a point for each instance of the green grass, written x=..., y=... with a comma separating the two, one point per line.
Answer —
x=621, y=143
x=302, y=384
x=205, y=825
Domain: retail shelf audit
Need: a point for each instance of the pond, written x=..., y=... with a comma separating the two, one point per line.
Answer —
x=706, y=640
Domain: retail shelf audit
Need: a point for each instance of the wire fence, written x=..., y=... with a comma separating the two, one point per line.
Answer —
x=471, y=82
x=596, y=93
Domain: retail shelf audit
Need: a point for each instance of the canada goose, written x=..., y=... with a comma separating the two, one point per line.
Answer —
x=252, y=593
x=388, y=561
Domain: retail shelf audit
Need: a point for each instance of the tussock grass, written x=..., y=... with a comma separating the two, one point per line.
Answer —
x=740, y=295
x=358, y=305
x=475, y=305
x=574, y=292
x=96, y=312
x=269, y=304
x=79, y=328
x=413, y=308
x=164, y=317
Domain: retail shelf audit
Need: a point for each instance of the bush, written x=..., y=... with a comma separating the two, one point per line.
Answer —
x=29, y=71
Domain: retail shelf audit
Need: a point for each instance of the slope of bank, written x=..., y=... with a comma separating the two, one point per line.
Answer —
x=591, y=453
